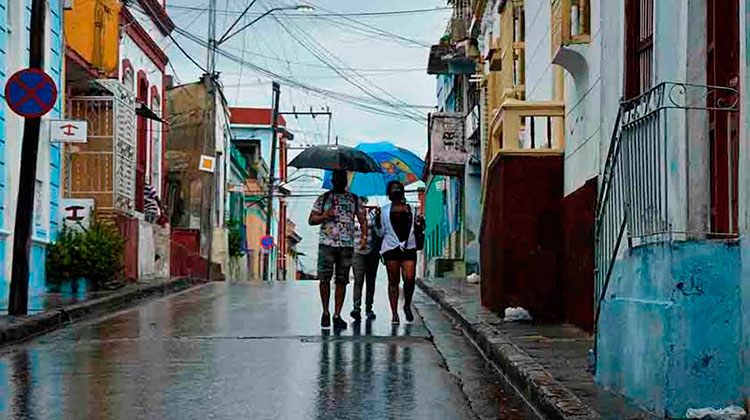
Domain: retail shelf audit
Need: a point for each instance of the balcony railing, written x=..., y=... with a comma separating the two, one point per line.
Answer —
x=528, y=126
x=570, y=23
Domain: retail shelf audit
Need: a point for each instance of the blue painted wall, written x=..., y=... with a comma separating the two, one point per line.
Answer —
x=3, y=78
x=44, y=231
x=671, y=327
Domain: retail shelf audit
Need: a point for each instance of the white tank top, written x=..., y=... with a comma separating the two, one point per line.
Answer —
x=390, y=239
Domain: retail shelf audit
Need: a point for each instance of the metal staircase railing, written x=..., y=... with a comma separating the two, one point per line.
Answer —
x=635, y=200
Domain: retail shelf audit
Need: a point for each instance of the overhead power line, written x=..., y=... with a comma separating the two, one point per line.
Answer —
x=359, y=102
x=314, y=15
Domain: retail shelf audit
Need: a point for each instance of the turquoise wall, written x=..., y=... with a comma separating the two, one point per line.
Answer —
x=44, y=231
x=671, y=331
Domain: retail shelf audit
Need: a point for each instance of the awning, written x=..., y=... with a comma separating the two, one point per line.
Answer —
x=146, y=112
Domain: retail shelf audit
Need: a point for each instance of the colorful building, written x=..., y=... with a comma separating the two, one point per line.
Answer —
x=251, y=135
x=116, y=81
x=614, y=190
x=14, y=41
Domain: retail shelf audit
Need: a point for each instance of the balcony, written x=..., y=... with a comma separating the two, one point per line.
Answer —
x=458, y=58
x=528, y=127
x=521, y=234
x=570, y=24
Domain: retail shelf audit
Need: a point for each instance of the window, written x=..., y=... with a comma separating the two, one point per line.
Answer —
x=639, y=46
x=128, y=78
x=142, y=144
x=156, y=144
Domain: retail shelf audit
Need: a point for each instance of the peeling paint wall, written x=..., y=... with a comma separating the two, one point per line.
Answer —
x=670, y=333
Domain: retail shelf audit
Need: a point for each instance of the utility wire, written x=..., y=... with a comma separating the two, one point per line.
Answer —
x=314, y=15
x=320, y=53
x=325, y=93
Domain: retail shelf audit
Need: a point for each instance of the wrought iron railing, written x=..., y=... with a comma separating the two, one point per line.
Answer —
x=634, y=199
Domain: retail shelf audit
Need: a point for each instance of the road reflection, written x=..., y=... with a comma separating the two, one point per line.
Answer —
x=365, y=377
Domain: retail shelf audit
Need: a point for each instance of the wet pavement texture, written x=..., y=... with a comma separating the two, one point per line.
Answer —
x=241, y=350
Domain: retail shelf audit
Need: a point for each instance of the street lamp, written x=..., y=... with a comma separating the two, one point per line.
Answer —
x=213, y=44
x=227, y=35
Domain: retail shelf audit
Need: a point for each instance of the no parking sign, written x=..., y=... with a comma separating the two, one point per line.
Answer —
x=266, y=242
x=30, y=93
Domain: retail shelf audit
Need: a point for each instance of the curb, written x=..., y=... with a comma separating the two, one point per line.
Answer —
x=26, y=328
x=549, y=396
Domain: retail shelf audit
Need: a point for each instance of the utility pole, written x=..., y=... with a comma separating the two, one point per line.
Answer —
x=271, y=177
x=19, y=284
x=211, y=60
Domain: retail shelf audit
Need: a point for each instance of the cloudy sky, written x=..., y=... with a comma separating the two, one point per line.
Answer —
x=365, y=64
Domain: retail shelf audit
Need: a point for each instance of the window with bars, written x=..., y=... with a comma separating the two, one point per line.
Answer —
x=639, y=46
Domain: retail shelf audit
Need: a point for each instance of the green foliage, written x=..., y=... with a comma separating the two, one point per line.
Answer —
x=62, y=257
x=235, y=239
x=95, y=254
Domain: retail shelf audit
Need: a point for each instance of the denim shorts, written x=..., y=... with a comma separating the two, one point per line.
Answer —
x=334, y=258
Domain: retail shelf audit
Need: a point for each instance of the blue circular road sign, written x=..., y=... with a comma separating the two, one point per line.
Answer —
x=266, y=242
x=30, y=93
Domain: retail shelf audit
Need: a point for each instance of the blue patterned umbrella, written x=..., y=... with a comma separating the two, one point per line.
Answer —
x=395, y=163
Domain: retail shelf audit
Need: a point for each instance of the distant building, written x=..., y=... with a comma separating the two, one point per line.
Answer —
x=251, y=136
x=198, y=154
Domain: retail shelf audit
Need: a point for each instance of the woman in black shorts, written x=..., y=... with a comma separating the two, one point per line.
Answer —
x=399, y=249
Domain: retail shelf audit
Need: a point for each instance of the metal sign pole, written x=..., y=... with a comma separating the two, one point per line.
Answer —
x=271, y=177
x=19, y=284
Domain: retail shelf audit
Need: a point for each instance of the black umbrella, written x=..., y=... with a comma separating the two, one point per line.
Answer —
x=335, y=157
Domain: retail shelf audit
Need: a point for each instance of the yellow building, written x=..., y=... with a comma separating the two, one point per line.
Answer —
x=92, y=31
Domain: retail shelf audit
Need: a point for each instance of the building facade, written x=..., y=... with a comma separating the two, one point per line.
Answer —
x=197, y=155
x=14, y=41
x=614, y=192
x=116, y=80
x=252, y=135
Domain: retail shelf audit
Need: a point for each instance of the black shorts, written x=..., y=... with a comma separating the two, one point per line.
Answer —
x=398, y=254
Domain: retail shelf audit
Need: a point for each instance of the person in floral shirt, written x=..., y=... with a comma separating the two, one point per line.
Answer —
x=335, y=211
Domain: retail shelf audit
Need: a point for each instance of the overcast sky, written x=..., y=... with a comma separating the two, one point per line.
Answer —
x=384, y=56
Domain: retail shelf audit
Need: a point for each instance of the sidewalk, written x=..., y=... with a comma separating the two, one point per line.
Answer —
x=49, y=311
x=546, y=362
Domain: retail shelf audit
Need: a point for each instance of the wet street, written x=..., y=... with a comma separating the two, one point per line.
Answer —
x=240, y=351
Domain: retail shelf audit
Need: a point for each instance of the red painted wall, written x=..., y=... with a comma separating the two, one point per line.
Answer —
x=577, y=285
x=521, y=239
x=185, y=259
x=128, y=227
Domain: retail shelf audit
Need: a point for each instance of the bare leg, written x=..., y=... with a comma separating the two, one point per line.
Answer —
x=409, y=273
x=394, y=278
x=325, y=295
x=340, y=296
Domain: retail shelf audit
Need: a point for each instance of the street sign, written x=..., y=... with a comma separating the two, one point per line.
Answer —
x=68, y=131
x=266, y=242
x=30, y=93
x=206, y=164
x=77, y=212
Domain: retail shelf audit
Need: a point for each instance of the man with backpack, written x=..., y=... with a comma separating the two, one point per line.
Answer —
x=335, y=211
x=366, y=261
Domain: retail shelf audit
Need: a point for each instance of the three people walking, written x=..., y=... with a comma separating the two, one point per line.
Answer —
x=351, y=233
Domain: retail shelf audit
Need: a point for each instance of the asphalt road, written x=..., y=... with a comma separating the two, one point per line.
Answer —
x=253, y=351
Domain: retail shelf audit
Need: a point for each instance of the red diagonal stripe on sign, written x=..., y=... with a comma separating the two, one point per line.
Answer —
x=30, y=93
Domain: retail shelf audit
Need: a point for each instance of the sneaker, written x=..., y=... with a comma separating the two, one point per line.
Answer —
x=356, y=315
x=339, y=323
x=371, y=315
x=325, y=321
x=409, y=314
x=395, y=320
